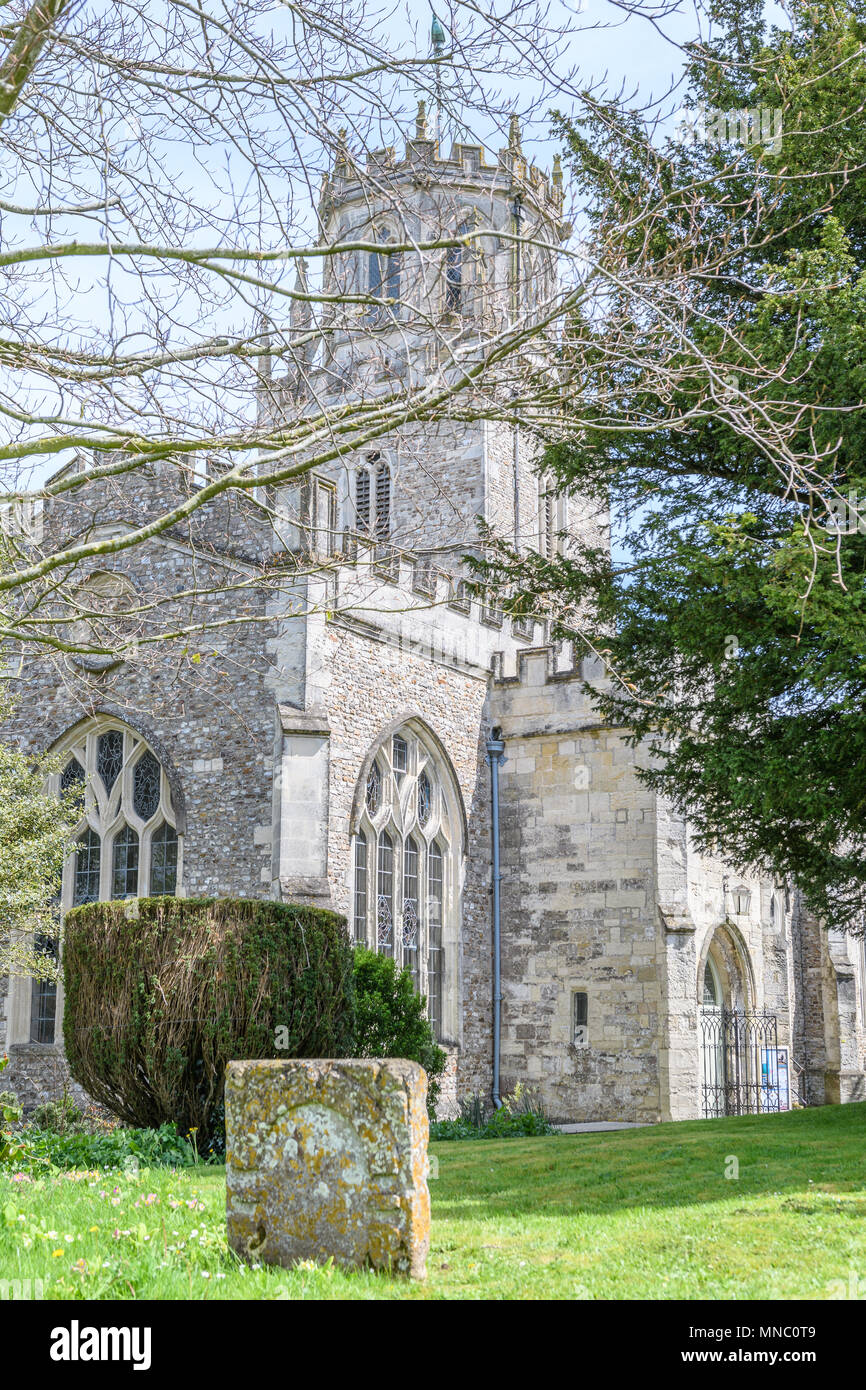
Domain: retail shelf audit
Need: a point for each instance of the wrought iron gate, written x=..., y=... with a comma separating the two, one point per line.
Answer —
x=742, y=1070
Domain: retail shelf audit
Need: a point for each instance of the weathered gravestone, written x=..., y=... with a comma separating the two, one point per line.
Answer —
x=328, y=1159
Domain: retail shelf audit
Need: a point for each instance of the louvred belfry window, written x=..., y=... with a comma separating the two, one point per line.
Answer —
x=383, y=500
x=373, y=497
x=362, y=499
x=384, y=274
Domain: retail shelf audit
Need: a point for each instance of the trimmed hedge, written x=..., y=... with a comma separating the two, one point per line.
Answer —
x=162, y=992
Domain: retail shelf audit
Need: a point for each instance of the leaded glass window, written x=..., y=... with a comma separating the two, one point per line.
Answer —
x=146, y=785
x=72, y=775
x=411, y=921
x=72, y=780
x=43, y=997
x=163, y=862
x=435, y=957
x=109, y=757
x=712, y=992
x=385, y=895
x=125, y=863
x=359, y=903
x=88, y=854
x=404, y=836
x=399, y=756
x=374, y=789
x=134, y=844
x=125, y=842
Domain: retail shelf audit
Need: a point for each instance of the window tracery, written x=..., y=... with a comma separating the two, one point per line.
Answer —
x=403, y=861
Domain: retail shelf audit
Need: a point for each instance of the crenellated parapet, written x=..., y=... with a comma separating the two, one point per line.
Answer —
x=423, y=164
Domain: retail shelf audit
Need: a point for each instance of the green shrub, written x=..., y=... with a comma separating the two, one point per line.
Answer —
x=59, y=1116
x=39, y=1150
x=521, y=1116
x=10, y=1114
x=161, y=994
x=390, y=1019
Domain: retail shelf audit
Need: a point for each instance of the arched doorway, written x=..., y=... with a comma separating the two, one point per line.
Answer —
x=738, y=1043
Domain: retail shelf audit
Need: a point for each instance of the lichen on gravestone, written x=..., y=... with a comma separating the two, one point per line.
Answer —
x=327, y=1159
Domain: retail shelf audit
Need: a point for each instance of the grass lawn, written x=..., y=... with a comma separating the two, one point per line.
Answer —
x=635, y=1214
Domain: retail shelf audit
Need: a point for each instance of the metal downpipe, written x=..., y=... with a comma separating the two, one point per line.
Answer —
x=495, y=754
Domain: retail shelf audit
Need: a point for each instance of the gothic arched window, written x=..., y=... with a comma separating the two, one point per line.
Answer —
x=409, y=869
x=463, y=294
x=126, y=844
x=384, y=272
x=127, y=840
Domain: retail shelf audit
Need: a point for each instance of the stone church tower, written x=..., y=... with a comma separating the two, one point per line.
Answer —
x=377, y=739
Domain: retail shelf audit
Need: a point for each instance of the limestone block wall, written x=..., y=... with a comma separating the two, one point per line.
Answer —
x=578, y=894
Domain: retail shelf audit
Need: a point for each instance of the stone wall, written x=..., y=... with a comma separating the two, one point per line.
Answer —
x=38, y=1073
x=578, y=903
x=605, y=894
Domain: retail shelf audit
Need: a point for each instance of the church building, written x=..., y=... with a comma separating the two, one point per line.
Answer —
x=356, y=728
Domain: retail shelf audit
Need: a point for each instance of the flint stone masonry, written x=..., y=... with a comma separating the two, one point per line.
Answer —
x=328, y=1160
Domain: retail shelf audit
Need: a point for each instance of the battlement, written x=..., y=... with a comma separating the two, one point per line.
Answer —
x=409, y=600
x=549, y=664
x=423, y=161
x=539, y=690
